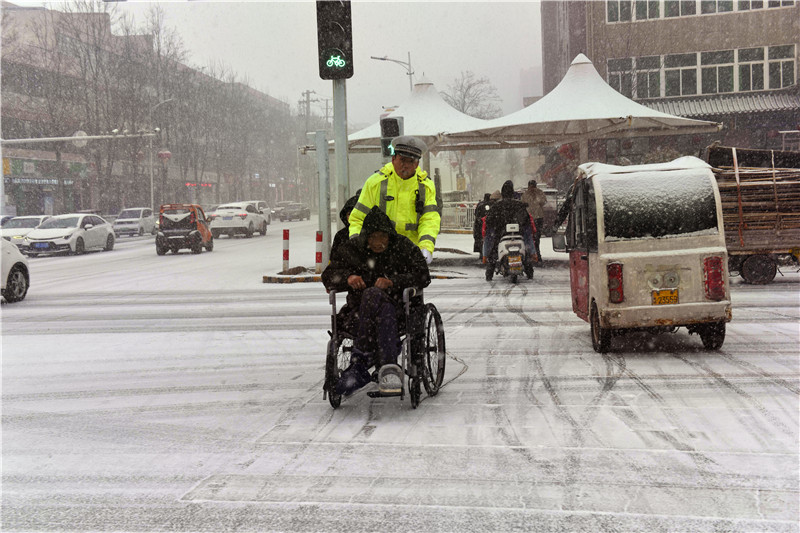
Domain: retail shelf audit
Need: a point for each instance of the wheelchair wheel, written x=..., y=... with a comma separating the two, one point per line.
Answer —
x=435, y=354
x=337, y=360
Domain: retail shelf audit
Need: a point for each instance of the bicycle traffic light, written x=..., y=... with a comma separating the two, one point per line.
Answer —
x=335, y=39
x=391, y=127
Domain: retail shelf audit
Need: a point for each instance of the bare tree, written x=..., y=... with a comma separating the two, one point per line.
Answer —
x=478, y=98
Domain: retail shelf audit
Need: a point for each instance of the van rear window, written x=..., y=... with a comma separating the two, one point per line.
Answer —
x=646, y=205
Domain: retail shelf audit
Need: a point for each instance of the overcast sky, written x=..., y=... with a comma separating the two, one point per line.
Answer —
x=274, y=44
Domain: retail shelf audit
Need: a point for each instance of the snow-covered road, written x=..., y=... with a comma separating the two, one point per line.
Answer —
x=180, y=393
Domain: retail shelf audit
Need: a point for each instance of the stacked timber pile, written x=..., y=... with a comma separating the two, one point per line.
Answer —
x=760, y=206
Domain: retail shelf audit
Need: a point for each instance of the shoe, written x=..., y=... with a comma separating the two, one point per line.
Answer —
x=489, y=273
x=353, y=378
x=390, y=379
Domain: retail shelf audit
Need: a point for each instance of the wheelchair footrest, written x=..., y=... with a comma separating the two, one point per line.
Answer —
x=379, y=394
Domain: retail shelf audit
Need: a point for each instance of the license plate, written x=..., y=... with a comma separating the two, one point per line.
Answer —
x=665, y=297
x=227, y=218
x=41, y=245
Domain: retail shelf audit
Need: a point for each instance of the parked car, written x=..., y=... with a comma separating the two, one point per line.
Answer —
x=135, y=221
x=239, y=217
x=646, y=248
x=295, y=210
x=4, y=219
x=71, y=233
x=280, y=206
x=183, y=226
x=15, y=275
x=15, y=229
x=263, y=208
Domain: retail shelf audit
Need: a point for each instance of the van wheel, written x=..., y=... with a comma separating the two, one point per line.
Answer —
x=713, y=335
x=601, y=337
x=141, y=231
x=759, y=269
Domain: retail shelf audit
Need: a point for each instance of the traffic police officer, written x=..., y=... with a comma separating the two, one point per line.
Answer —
x=403, y=191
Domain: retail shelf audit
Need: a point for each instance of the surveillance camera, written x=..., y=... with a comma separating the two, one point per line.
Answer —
x=157, y=130
x=114, y=131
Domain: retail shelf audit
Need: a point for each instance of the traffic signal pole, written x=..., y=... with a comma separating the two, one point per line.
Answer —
x=342, y=165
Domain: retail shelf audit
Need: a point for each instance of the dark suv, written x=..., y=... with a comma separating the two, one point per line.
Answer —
x=296, y=210
x=183, y=226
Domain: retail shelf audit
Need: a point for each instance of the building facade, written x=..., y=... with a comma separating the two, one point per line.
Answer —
x=218, y=140
x=729, y=61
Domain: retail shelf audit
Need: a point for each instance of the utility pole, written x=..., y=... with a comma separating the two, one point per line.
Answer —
x=306, y=103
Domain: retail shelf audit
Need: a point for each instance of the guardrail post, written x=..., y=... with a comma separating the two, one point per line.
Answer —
x=286, y=250
x=318, y=258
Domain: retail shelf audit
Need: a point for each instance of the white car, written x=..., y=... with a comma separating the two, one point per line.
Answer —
x=15, y=229
x=135, y=221
x=239, y=217
x=15, y=276
x=263, y=208
x=72, y=233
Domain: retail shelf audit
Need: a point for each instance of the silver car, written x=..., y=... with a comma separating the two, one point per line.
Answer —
x=135, y=221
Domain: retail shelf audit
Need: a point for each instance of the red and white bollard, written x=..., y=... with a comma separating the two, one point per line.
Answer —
x=285, y=250
x=318, y=260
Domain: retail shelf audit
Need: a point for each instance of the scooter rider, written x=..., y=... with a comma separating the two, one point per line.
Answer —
x=508, y=211
x=405, y=193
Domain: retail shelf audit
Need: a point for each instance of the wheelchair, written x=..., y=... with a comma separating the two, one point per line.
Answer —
x=422, y=354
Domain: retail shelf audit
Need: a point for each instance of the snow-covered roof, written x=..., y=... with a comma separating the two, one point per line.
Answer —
x=582, y=106
x=682, y=163
x=425, y=115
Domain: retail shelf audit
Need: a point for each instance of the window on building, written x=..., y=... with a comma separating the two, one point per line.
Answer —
x=715, y=6
x=648, y=77
x=618, y=10
x=647, y=9
x=620, y=76
x=751, y=69
x=680, y=8
x=680, y=74
x=781, y=66
x=717, y=72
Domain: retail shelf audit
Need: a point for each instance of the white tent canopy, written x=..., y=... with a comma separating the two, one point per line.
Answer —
x=425, y=115
x=583, y=106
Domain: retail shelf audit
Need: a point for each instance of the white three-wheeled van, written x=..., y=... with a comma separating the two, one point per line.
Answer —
x=647, y=250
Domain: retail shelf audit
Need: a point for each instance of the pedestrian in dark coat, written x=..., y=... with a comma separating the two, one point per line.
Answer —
x=477, y=225
x=375, y=267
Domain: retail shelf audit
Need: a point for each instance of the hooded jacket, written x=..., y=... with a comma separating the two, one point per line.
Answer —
x=343, y=235
x=397, y=198
x=402, y=261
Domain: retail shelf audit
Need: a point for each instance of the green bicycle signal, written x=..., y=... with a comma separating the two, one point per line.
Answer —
x=336, y=62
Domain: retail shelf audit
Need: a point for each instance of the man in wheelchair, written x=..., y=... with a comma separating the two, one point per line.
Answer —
x=374, y=268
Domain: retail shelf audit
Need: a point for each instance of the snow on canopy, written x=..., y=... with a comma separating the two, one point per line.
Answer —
x=580, y=107
x=425, y=115
x=658, y=200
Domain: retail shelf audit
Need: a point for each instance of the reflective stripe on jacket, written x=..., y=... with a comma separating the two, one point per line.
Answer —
x=397, y=198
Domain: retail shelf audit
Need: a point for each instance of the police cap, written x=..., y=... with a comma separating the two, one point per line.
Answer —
x=408, y=146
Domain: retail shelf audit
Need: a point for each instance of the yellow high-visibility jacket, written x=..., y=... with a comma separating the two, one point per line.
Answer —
x=397, y=198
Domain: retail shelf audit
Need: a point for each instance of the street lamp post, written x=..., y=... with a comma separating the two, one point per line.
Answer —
x=150, y=123
x=407, y=65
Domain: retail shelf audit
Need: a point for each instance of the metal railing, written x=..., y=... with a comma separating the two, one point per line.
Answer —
x=458, y=215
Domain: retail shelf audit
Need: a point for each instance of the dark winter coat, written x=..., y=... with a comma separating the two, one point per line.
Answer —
x=402, y=262
x=343, y=235
x=507, y=211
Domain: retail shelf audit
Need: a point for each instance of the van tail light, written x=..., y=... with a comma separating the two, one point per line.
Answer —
x=714, y=278
x=615, y=293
